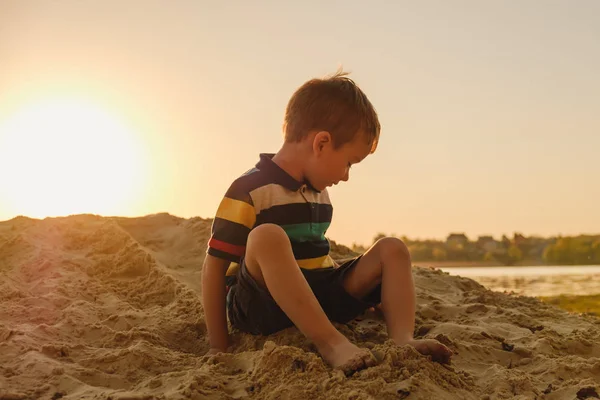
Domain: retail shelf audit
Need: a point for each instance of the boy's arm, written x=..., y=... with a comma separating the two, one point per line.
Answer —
x=213, y=300
x=231, y=226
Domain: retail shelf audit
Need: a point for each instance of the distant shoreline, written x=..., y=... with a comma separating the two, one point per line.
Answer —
x=475, y=264
x=587, y=304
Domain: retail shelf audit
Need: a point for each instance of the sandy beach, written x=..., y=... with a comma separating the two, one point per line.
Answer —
x=109, y=308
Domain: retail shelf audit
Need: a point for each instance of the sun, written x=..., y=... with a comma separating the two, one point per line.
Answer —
x=66, y=156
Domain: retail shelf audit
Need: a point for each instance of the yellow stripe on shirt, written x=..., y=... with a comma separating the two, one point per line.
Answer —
x=315, y=263
x=237, y=211
x=309, y=263
x=232, y=269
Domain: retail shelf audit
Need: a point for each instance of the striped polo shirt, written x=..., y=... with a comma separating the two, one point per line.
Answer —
x=267, y=194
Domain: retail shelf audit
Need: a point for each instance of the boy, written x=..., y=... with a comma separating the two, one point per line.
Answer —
x=268, y=245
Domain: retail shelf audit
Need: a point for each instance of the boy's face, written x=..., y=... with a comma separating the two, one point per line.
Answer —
x=329, y=166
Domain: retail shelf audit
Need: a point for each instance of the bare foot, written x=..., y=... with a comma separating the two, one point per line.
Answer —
x=433, y=348
x=213, y=351
x=348, y=357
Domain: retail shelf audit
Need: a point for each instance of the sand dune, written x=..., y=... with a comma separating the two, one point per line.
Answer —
x=109, y=308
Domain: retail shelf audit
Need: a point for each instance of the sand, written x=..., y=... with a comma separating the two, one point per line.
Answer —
x=109, y=308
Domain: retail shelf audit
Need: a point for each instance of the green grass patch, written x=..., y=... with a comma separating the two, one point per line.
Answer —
x=578, y=304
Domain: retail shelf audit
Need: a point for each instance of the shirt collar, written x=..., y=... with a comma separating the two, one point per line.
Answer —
x=278, y=175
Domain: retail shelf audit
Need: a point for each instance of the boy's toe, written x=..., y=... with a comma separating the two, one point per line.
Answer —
x=369, y=359
x=363, y=360
x=443, y=356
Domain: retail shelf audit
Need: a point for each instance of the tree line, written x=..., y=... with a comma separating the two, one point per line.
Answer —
x=518, y=249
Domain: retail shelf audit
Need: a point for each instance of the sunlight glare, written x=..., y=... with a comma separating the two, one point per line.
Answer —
x=68, y=156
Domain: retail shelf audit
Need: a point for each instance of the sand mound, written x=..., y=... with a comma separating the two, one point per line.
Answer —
x=109, y=308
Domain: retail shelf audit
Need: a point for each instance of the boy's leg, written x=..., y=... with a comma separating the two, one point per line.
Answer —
x=270, y=261
x=388, y=263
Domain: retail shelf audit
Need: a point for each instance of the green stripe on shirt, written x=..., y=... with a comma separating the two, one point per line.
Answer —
x=306, y=232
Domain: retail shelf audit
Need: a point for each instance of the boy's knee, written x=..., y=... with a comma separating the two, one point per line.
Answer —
x=270, y=234
x=392, y=247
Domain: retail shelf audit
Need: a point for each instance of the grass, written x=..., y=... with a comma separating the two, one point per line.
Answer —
x=578, y=304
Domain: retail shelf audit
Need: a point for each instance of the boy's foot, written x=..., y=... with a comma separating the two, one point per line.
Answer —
x=348, y=357
x=433, y=348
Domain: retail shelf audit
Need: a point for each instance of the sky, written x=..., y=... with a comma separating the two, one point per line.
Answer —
x=490, y=111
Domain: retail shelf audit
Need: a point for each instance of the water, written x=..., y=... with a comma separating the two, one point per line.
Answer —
x=536, y=281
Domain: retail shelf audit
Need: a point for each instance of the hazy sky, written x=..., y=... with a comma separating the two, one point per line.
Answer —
x=490, y=110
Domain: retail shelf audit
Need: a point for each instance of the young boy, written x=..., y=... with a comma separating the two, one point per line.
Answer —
x=268, y=259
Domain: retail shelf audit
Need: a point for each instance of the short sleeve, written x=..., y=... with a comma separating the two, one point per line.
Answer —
x=233, y=221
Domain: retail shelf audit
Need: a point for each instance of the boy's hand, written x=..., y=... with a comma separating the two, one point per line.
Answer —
x=213, y=300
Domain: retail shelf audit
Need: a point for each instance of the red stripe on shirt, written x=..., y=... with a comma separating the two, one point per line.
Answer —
x=227, y=247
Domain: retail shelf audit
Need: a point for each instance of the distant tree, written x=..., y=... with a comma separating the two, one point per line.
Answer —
x=506, y=241
x=514, y=254
x=379, y=236
x=420, y=252
x=596, y=252
x=572, y=250
x=509, y=256
x=439, y=254
x=583, y=249
x=525, y=244
x=358, y=248
x=456, y=252
x=405, y=239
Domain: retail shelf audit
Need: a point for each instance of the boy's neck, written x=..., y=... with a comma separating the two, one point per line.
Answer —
x=291, y=158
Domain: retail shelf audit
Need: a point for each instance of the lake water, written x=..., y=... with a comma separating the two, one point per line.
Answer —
x=535, y=281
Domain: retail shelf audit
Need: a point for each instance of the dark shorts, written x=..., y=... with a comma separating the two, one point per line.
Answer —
x=252, y=309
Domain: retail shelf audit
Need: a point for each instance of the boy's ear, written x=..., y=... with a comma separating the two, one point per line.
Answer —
x=322, y=139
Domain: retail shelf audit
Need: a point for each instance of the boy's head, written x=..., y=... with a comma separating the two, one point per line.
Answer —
x=337, y=121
